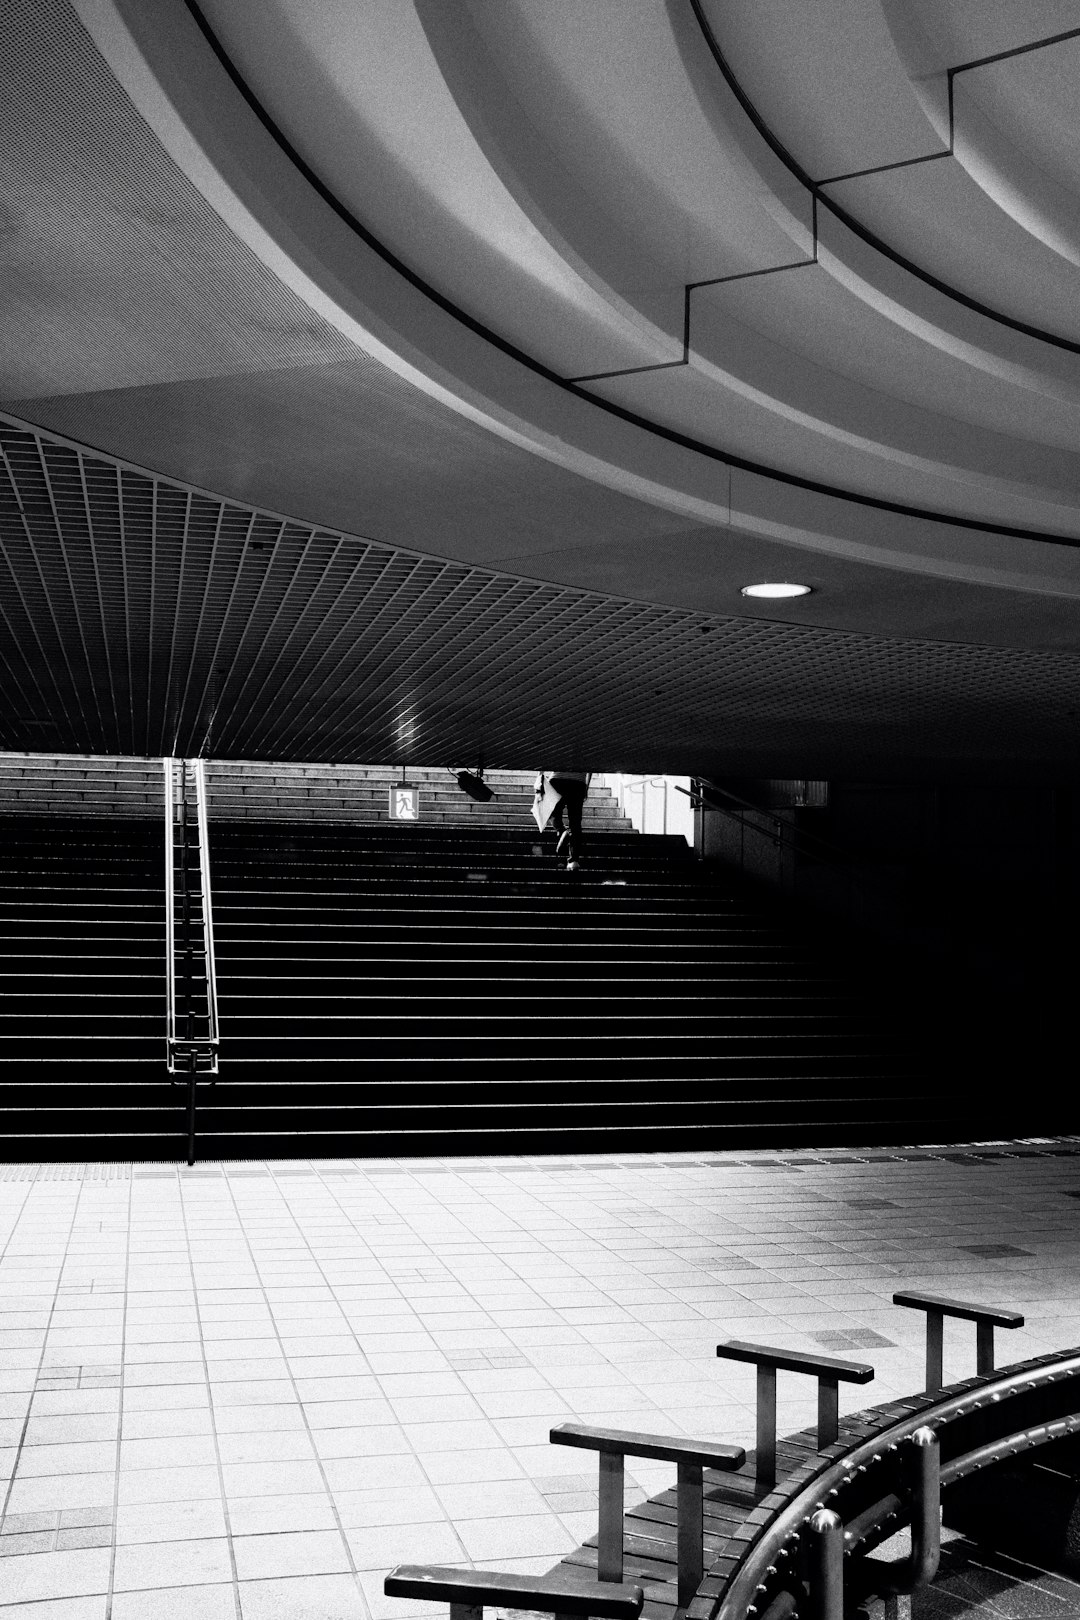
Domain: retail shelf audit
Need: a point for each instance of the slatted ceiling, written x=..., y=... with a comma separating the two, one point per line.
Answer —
x=139, y=617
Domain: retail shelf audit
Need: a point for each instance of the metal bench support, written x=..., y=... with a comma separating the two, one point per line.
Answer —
x=826, y=1565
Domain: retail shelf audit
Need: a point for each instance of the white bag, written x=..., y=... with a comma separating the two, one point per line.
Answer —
x=544, y=802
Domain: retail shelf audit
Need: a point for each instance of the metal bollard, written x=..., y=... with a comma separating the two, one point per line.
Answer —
x=926, y=1509
x=826, y=1566
x=919, y=1569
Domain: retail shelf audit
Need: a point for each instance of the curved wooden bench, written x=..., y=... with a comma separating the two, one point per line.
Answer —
x=767, y=1543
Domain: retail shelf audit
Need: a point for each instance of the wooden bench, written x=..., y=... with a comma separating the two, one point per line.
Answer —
x=685, y=1544
x=468, y=1590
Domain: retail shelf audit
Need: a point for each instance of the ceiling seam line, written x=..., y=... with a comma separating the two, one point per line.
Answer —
x=792, y=480
x=853, y=224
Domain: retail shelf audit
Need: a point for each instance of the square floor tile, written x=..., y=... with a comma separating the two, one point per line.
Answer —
x=170, y=1521
x=54, y=1575
x=67, y=1608
x=386, y=1545
x=266, y=1515
x=539, y=1534
x=145, y=1565
x=60, y=1491
x=216, y=1602
x=375, y=1505
x=311, y=1597
x=293, y=1552
x=169, y=1485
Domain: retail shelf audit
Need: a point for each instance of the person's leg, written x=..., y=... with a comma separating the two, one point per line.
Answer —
x=575, y=803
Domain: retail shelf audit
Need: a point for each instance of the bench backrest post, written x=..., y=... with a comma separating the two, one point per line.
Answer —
x=769, y=1360
x=609, y=1542
x=765, y=1467
x=985, y=1317
x=828, y=1411
x=691, y=1531
x=935, y=1351
x=984, y=1347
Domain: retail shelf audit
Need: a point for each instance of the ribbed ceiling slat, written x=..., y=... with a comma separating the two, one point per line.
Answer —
x=138, y=617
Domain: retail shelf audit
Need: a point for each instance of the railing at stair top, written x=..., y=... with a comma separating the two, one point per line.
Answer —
x=867, y=881
x=191, y=1053
x=709, y=796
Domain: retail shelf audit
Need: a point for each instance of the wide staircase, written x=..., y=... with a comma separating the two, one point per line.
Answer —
x=446, y=986
x=393, y=989
x=82, y=972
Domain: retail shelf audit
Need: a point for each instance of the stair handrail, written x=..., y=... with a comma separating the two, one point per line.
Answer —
x=857, y=868
x=834, y=853
x=210, y=966
x=169, y=766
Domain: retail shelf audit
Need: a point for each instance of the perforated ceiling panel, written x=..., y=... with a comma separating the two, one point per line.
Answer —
x=109, y=249
x=141, y=617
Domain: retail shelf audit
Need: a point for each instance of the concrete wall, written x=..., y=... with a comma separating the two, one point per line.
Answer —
x=969, y=894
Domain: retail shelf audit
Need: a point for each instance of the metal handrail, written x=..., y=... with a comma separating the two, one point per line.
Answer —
x=210, y=966
x=798, y=835
x=631, y=784
x=770, y=1563
x=170, y=910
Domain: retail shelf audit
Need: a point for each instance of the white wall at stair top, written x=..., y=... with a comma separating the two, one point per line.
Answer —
x=654, y=804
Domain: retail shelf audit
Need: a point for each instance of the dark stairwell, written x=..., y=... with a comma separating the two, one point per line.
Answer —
x=442, y=987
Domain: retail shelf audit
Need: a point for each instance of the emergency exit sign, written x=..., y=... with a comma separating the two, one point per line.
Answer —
x=404, y=803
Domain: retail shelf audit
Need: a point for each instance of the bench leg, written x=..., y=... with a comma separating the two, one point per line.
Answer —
x=609, y=1543
x=466, y=1611
x=766, y=1427
x=935, y=1345
x=828, y=1411
x=984, y=1347
x=691, y=1531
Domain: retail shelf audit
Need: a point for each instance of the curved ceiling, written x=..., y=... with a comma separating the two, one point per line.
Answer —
x=645, y=200
x=652, y=299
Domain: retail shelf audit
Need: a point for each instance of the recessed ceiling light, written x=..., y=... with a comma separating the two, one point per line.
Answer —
x=775, y=590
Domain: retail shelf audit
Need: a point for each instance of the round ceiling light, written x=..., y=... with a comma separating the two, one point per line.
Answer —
x=775, y=590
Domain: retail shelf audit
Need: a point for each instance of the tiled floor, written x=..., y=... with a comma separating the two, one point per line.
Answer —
x=243, y=1392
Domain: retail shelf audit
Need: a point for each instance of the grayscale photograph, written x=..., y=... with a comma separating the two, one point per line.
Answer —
x=539, y=809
